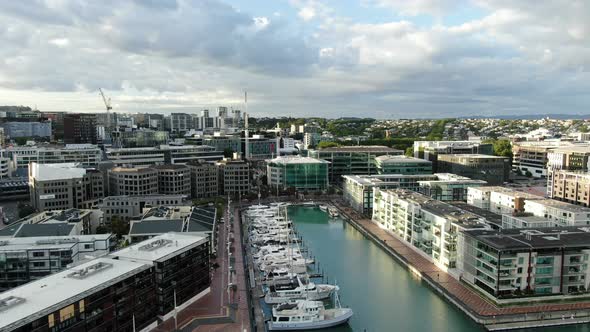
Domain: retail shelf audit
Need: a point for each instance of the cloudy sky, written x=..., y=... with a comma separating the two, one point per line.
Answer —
x=332, y=58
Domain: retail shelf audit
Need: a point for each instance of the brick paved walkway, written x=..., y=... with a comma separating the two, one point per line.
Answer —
x=456, y=289
x=212, y=312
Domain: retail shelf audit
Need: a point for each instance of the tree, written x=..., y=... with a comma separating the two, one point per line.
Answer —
x=119, y=226
x=410, y=151
x=528, y=174
x=323, y=145
x=102, y=229
x=228, y=152
x=502, y=148
x=24, y=209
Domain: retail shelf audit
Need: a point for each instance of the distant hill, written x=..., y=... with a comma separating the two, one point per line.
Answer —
x=15, y=109
x=531, y=116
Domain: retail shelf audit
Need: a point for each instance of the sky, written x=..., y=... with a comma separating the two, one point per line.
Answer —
x=384, y=59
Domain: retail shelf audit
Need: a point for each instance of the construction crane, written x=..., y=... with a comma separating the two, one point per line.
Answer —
x=114, y=137
x=107, y=104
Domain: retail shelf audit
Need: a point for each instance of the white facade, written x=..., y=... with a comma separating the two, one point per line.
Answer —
x=561, y=213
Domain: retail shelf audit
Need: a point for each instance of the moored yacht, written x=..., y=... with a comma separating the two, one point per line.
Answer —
x=306, y=315
x=298, y=289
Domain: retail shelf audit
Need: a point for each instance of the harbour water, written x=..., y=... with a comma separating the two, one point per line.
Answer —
x=383, y=294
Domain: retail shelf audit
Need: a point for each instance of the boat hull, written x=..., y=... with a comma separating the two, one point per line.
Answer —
x=289, y=326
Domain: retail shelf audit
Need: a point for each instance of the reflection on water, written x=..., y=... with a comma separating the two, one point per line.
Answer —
x=382, y=293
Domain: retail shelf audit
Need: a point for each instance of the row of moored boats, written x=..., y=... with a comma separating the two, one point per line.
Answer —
x=297, y=302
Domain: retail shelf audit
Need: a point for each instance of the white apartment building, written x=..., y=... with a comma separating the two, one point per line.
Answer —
x=163, y=154
x=500, y=200
x=431, y=227
x=87, y=155
x=561, y=213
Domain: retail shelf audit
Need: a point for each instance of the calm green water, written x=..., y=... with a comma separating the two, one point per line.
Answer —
x=383, y=294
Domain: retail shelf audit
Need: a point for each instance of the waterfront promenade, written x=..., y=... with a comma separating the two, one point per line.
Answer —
x=219, y=310
x=479, y=308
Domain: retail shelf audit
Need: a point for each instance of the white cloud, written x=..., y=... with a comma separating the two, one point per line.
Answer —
x=306, y=13
x=417, y=7
x=60, y=42
x=519, y=56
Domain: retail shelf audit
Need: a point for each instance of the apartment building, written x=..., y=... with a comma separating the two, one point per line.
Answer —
x=86, y=155
x=570, y=186
x=533, y=156
x=26, y=129
x=260, y=147
x=299, y=173
x=429, y=226
x=64, y=186
x=358, y=189
x=180, y=266
x=204, y=179
x=430, y=150
x=399, y=164
x=179, y=122
x=512, y=263
x=127, y=207
x=102, y=294
x=561, y=213
x=351, y=160
x=508, y=201
x=173, y=179
x=163, y=154
x=80, y=128
x=23, y=259
x=448, y=187
x=234, y=177
x=134, y=288
x=500, y=200
x=54, y=222
x=573, y=159
x=133, y=181
x=492, y=169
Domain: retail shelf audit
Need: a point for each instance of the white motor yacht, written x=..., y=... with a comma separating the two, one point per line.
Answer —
x=306, y=315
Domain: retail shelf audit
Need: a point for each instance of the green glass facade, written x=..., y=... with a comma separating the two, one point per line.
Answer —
x=303, y=175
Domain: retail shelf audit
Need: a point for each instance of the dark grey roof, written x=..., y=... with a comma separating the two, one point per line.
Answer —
x=11, y=229
x=202, y=219
x=156, y=227
x=534, y=238
x=490, y=216
x=58, y=229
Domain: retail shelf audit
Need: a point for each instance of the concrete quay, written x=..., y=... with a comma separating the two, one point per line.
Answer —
x=477, y=307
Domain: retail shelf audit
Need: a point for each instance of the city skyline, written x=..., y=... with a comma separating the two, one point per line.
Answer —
x=377, y=58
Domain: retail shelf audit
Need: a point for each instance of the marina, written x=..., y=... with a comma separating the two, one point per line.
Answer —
x=284, y=277
x=381, y=289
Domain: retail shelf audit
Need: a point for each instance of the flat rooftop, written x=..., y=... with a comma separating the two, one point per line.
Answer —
x=492, y=217
x=170, y=167
x=360, y=148
x=469, y=156
x=543, y=237
x=387, y=179
x=132, y=170
x=465, y=218
x=508, y=191
x=293, y=160
x=50, y=172
x=562, y=205
x=574, y=149
x=22, y=243
x=38, y=298
x=401, y=160
x=160, y=248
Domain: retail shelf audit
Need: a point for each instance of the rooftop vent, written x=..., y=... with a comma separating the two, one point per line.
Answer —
x=89, y=270
x=155, y=245
x=9, y=302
